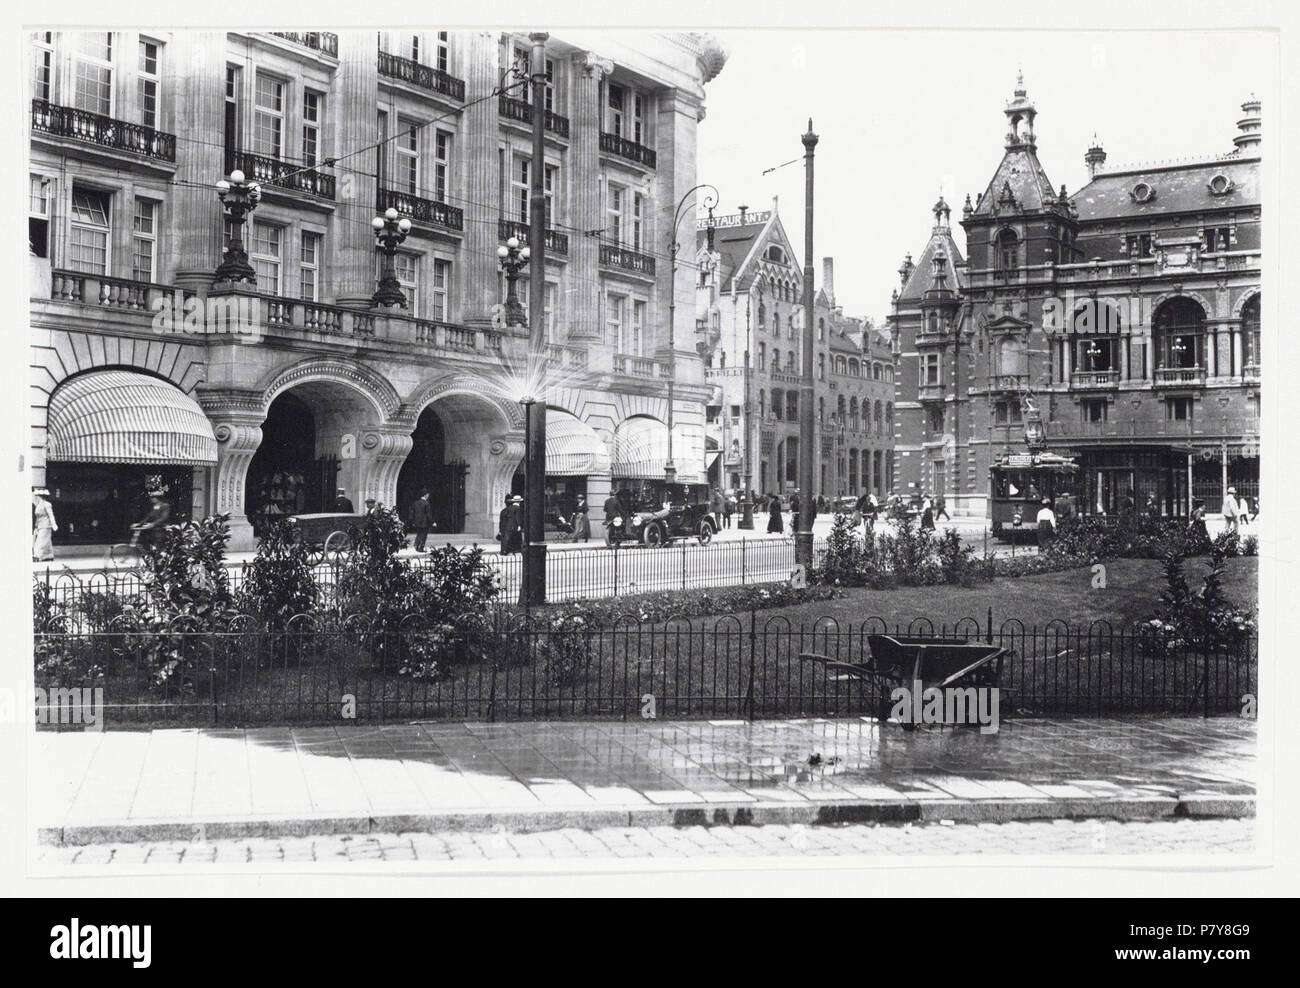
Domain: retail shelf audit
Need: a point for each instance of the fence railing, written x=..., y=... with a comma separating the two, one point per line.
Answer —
x=736, y=666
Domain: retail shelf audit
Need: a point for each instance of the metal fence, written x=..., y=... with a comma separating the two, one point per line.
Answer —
x=730, y=667
x=571, y=574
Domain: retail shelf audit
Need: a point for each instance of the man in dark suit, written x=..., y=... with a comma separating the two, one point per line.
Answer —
x=342, y=504
x=421, y=519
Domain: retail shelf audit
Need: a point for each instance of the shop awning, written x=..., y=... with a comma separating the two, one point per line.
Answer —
x=641, y=450
x=572, y=447
x=115, y=416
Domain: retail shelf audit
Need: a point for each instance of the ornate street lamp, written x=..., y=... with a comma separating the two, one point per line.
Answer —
x=513, y=259
x=239, y=197
x=390, y=233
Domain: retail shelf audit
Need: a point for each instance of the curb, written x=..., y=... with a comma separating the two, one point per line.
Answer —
x=708, y=815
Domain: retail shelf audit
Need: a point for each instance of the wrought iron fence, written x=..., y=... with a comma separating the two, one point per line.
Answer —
x=745, y=666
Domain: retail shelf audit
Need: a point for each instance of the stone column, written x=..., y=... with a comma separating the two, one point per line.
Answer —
x=199, y=60
x=380, y=455
x=505, y=453
x=479, y=162
x=584, y=203
x=239, y=434
x=679, y=114
x=1238, y=368
x=355, y=101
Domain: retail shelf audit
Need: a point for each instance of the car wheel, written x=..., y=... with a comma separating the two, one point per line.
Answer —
x=706, y=532
x=653, y=535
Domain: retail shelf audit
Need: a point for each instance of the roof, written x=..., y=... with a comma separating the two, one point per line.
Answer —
x=921, y=279
x=1178, y=188
x=733, y=244
x=1021, y=172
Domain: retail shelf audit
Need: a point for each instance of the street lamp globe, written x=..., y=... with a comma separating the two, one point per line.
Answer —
x=236, y=177
x=513, y=243
x=503, y=252
x=377, y=223
x=390, y=213
x=524, y=254
x=223, y=186
x=404, y=225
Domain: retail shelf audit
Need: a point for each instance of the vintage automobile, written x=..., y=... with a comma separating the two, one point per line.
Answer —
x=326, y=534
x=656, y=513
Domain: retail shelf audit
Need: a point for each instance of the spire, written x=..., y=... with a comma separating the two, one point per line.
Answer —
x=1020, y=113
x=1095, y=157
x=941, y=214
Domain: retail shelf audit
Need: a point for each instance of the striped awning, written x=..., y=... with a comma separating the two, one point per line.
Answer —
x=115, y=416
x=641, y=450
x=572, y=447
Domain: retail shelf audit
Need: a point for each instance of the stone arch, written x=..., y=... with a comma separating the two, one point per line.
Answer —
x=334, y=370
x=1197, y=297
x=1245, y=297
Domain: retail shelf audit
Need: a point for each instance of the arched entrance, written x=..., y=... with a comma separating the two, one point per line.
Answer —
x=429, y=468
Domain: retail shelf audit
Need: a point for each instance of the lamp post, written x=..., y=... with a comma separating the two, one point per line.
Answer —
x=803, y=538
x=390, y=233
x=746, y=501
x=513, y=258
x=670, y=468
x=239, y=197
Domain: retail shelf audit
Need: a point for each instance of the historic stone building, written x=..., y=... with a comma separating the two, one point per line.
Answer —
x=750, y=317
x=1127, y=312
x=309, y=386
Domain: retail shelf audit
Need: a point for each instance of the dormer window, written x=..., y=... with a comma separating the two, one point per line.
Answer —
x=776, y=254
x=1220, y=185
x=1143, y=192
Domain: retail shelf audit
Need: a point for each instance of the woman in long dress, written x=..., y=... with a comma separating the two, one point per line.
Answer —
x=44, y=526
x=774, y=523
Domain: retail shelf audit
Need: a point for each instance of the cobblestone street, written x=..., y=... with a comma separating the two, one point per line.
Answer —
x=1046, y=837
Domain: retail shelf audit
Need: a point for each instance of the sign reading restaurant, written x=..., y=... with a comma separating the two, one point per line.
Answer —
x=733, y=219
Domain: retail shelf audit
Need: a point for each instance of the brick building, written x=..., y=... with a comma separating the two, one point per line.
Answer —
x=130, y=132
x=1128, y=312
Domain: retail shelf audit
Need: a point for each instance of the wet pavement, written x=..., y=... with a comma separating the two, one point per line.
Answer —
x=145, y=785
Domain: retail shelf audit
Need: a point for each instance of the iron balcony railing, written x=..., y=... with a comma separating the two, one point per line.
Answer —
x=618, y=256
x=556, y=242
x=105, y=132
x=321, y=41
x=628, y=150
x=517, y=109
x=285, y=174
x=422, y=76
x=426, y=211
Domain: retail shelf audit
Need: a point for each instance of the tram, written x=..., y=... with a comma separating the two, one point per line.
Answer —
x=1018, y=482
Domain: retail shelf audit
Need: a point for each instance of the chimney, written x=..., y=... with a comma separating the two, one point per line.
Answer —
x=1095, y=157
x=1249, y=138
x=828, y=278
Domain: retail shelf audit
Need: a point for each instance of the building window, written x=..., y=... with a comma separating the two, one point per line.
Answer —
x=1250, y=332
x=443, y=53
x=268, y=124
x=89, y=237
x=1012, y=360
x=148, y=82
x=38, y=217
x=1218, y=239
x=93, y=68
x=311, y=118
x=762, y=316
x=762, y=356
x=1096, y=354
x=821, y=329
x=1178, y=409
x=1005, y=412
x=614, y=214
x=638, y=206
x=821, y=366
x=936, y=421
x=441, y=163
x=309, y=266
x=407, y=268
x=232, y=109
x=778, y=402
x=441, y=295
x=638, y=328
x=1138, y=245
x=144, y=240
x=264, y=254
x=1008, y=251
x=413, y=47
x=616, y=113
x=42, y=64
x=523, y=61
x=521, y=190
x=930, y=369
x=1179, y=327
x=1095, y=411
x=614, y=305
x=407, y=160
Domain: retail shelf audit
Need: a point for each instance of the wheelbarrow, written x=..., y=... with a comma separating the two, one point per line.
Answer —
x=939, y=663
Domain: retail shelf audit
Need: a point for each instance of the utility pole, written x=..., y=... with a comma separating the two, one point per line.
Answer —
x=746, y=501
x=803, y=538
x=534, y=582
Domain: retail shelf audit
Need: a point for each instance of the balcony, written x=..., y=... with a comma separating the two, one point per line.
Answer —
x=284, y=174
x=321, y=41
x=1009, y=382
x=556, y=242
x=568, y=358
x=428, y=212
x=1175, y=376
x=518, y=110
x=644, y=367
x=1094, y=379
x=628, y=150
x=929, y=392
x=421, y=76
x=618, y=256
x=107, y=292
x=105, y=132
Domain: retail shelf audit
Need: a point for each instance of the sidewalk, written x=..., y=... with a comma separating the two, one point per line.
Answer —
x=282, y=782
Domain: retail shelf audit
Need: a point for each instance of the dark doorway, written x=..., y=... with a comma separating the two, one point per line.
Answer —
x=426, y=468
x=98, y=502
x=285, y=476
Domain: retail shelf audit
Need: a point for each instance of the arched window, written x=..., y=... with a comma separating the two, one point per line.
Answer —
x=789, y=362
x=1179, y=327
x=932, y=322
x=889, y=418
x=1008, y=255
x=776, y=361
x=879, y=419
x=762, y=404
x=875, y=372
x=821, y=409
x=821, y=329
x=792, y=406
x=1250, y=334
x=839, y=410
x=853, y=414
x=854, y=369
x=821, y=366
x=762, y=315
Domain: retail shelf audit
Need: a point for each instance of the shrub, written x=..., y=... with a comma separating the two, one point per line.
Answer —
x=1200, y=622
x=843, y=562
x=1227, y=543
x=910, y=555
x=1250, y=545
x=956, y=559
x=185, y=572
x=280, y=582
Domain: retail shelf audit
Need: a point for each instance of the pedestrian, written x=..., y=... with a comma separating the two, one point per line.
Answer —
x=43, y=526
x=371, y=505
x=421, y=519
x=941, y=508
x=581, y=523
x=717, y=507
x=927, y=515
x=342, y=504
x=148, y=530
x=1200, y=534
x=728, y=509
x=774, y=523
x=869, y=514
x=513, y=530
x=1046, y=523
x=1231, y=510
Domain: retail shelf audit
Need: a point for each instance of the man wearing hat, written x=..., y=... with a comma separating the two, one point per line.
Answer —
x=511, y=522
x=342, y=503
x=1046, y=523
x=160, y=513
x=421, y=519
x=1231, y=510
x=43, y=526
